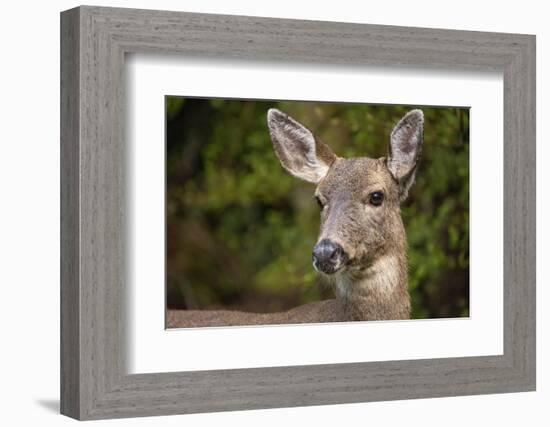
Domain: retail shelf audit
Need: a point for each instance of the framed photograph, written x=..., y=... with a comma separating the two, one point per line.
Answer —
x=262, y=213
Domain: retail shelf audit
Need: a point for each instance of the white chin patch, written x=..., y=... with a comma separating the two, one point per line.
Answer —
x=315, y=265
x=343, y=286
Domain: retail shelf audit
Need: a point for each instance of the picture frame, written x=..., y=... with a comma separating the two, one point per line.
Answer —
x=94, y=381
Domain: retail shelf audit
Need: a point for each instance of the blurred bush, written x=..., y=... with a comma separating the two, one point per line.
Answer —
x=240, y=230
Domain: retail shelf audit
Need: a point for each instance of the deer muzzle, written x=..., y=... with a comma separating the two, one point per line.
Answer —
x=328, y=257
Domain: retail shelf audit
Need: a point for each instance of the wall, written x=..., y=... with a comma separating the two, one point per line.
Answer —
x=29, y=225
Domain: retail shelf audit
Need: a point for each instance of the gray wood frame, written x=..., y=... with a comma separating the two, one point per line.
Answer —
x=94, y=41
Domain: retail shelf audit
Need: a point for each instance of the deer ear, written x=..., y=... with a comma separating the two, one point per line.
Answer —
x=299, y=152
x=405, y=149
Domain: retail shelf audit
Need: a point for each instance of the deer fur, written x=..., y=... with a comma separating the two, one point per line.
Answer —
x=362, y=246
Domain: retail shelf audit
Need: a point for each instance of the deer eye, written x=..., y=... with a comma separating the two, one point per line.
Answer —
x=319, y=202
x=376, y=198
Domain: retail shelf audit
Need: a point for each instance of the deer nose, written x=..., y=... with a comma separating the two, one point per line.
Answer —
x=328, y=256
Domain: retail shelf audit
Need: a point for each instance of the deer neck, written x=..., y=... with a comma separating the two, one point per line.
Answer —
x=376, y=291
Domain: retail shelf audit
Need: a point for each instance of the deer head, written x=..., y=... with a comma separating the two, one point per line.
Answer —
x=359, y=198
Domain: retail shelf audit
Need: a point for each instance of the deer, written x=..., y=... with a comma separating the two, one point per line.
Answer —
x=362, y=246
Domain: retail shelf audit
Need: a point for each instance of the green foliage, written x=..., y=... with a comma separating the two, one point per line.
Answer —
x=241, y=230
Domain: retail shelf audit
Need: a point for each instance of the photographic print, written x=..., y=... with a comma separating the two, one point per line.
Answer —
x=292, y=212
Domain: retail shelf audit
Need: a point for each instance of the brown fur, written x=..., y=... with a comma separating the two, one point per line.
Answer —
x=373, y=283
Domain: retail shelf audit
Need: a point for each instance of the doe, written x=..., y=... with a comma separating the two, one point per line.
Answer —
x=362, y=245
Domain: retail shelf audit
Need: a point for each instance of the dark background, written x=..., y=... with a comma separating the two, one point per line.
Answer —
x=240, y=230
